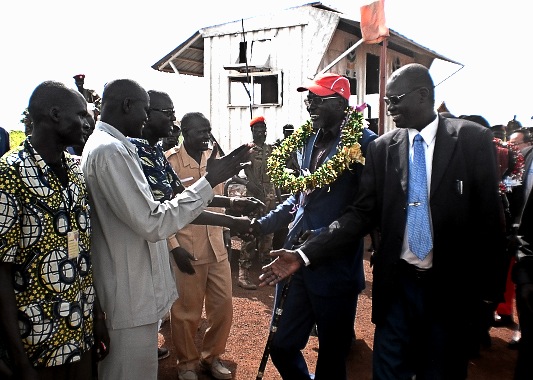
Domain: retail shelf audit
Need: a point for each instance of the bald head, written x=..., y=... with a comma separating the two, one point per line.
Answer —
x=117, y=90
x=46, y=96
x=59, y=117
x=125, y=106
x=412, y=76
x=410, y=97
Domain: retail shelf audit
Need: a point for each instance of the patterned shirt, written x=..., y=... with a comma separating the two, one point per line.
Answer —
x=45, y=234
x=162, y=179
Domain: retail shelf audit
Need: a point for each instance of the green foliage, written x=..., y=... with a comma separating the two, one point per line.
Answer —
x=15, y=138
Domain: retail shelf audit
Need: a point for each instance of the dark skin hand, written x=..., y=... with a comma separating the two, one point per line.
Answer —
x=223, y=168
x=9, y=323
x=183, y=260
x=286, y=263
x=239, y=224
x=245, y=206
x=101, y=335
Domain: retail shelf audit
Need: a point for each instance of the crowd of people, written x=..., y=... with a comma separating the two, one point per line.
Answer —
x=114, y=218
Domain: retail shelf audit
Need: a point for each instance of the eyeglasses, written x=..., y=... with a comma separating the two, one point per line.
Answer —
x=169, y=112
x=316, y=101
x=396, y=99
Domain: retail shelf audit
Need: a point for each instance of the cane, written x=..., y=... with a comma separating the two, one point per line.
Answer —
x=273, y=329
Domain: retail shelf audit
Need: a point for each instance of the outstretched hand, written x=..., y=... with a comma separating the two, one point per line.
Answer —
x=223, y=168
x=286, y=263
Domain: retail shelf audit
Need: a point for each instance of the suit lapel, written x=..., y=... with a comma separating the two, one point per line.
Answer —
x=399, y=153
x=445, y=141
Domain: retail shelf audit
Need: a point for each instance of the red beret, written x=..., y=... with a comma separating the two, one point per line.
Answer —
x=257, y=119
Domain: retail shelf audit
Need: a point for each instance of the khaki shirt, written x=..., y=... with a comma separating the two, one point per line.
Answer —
x=205, y=243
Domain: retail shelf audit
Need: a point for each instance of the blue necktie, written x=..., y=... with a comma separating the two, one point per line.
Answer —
x=418, y=228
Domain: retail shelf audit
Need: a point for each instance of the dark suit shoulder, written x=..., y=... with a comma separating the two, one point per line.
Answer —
x=389, y=136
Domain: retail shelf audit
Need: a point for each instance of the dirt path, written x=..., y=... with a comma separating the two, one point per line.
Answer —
x=252, y=310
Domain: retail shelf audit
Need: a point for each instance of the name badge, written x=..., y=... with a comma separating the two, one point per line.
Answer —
x=73, y=244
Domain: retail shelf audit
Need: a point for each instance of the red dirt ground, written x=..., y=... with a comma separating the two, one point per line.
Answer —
x=252, y=310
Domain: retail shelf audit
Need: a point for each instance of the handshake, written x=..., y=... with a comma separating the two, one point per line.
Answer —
x=243, y=225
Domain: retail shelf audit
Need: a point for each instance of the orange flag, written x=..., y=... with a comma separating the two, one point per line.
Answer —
x=373, y=26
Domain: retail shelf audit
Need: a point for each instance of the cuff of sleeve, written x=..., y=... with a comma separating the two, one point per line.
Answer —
x=303, y=256
x=172, y=242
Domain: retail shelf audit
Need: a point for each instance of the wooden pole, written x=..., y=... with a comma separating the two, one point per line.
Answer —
x=346, y=52
x=382, y=82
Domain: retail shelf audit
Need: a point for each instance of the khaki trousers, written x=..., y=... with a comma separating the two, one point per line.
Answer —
x=210, y=284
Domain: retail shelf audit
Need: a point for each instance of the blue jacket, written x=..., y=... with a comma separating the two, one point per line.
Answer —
x=317, y=210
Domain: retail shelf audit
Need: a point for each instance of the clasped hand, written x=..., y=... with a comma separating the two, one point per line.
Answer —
x=248, y=228
x=245, y=206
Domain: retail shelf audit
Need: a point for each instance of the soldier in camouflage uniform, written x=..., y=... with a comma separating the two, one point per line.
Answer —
x=258, y=185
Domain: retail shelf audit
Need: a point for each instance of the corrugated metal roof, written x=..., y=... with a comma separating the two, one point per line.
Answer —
x=188, y=57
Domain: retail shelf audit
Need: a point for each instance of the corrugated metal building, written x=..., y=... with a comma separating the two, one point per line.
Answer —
x=254, y=66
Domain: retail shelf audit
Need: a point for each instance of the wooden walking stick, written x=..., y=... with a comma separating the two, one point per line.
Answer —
x=273, y=329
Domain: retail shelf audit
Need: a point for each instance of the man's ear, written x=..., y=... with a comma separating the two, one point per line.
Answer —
x=126, y=105
x=424, y=92
x=341, y=104
x=53, y=112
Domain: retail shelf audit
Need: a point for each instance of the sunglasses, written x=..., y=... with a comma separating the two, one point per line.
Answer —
x=318, y=100
x=169, y=112
x=396, y=99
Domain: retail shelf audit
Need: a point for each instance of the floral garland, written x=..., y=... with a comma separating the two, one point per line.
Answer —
x=348, y=153
x=511, y=165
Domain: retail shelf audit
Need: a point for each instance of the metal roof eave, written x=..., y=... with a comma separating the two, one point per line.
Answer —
x=396, y=41
x=166, y=64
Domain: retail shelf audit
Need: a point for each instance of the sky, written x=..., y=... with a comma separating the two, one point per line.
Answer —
x=106, y=40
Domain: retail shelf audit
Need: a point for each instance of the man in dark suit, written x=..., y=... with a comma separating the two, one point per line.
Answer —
x=414, y=335
x=523, y=269
x=327, y=296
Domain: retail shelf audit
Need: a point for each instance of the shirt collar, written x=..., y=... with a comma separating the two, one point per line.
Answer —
x=428, y=133
x=109, y=129
x=39, y=162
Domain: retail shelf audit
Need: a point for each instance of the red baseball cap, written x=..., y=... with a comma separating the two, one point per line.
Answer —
x=328, y=84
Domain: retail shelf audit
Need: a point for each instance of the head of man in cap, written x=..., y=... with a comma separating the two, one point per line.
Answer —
x=326, y=101
x=258, y=127
x=79, y=79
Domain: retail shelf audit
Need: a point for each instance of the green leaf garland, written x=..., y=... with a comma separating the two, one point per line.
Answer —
x=348, y=153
